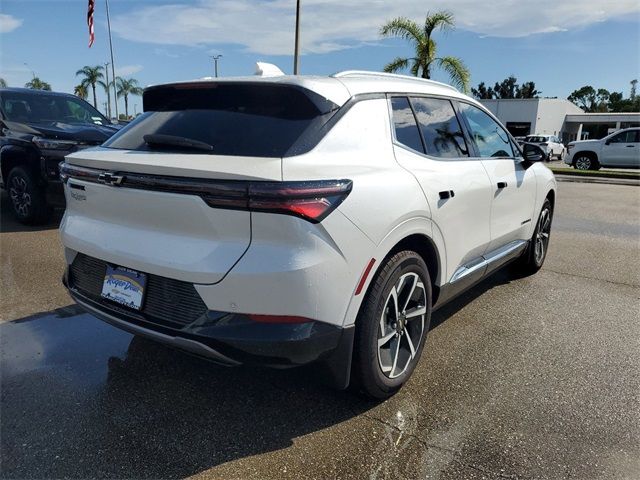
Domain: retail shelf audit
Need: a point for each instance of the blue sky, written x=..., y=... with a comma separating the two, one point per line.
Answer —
x=560, y=47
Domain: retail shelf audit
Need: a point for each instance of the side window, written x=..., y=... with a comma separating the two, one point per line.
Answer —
x=440, y=128
x=404, y=123
x=624, y=137
x=490, y=138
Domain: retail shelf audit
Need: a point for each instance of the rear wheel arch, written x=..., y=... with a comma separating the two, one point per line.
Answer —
x=426, y=248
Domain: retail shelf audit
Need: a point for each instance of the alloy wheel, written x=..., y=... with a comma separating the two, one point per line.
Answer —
x=583, y=163
x=402, y=325
x=20, y=197
x=542, y=236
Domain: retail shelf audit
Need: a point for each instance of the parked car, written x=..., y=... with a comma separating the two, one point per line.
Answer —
x=552, y=145
x=291, y=220
x=38, y=129
x=619, y=149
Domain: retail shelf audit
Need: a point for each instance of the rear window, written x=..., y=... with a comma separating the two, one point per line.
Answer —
x=236, y=119
x=537, y=139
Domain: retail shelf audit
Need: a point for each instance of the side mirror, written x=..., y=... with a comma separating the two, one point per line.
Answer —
x=607, y=142
x=533, y=153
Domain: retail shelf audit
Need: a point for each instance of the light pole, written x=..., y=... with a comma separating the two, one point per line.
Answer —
x=106, y=70
x=33, y=74
x=215, y=63
x=296, y=53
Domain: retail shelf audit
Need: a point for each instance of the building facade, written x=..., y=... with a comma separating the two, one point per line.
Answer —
x=554, y=116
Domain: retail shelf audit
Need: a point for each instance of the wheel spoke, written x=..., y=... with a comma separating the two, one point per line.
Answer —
x=416, y=312
x=395, y=358
x=394, y=295
x=410, y=294
x=411, y=347
x=384, y=340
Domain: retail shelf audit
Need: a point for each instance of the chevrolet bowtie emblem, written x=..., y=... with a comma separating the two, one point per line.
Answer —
x=110, y=179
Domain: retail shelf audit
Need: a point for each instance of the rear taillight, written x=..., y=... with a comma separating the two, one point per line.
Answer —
x=310, y=200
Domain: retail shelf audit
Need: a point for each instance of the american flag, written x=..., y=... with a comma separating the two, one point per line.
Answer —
x=90, y=22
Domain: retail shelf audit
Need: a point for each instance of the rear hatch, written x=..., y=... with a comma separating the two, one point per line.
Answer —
x=164, y=195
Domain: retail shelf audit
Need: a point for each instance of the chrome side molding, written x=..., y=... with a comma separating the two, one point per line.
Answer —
x=490, y=259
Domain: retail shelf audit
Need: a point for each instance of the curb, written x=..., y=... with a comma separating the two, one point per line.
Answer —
x=635, y=182
x=596, y=174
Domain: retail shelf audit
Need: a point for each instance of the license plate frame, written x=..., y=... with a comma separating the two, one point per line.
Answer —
x=124, y=286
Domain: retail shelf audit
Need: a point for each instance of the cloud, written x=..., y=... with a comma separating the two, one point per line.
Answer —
x=9, y=23
x=126, y=70
x=266, y=27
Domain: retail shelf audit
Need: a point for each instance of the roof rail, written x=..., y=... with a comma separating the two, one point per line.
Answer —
x=367, y=73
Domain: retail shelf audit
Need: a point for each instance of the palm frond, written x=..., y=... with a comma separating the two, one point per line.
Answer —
x=442, y=19
x=398, y=64
x=404, y=28
x=457, y=70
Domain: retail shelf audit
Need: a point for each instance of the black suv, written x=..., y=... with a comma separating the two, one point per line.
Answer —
x=37, y=130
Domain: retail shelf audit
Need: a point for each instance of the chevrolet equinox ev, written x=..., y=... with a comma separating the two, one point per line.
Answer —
x=290, y=220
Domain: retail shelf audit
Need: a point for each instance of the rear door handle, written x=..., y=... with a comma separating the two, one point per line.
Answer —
x=630, y=146
x=446, y=194
x=502, y=184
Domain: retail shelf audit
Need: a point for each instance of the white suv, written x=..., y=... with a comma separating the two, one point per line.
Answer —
x=290, y=220
x=619, y=149
x=550, y=144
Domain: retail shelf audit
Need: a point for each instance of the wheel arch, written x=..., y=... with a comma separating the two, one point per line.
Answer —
x=587, y=153
x=12, y=155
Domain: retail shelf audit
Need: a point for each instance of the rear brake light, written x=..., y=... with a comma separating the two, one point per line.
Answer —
x=312, y=201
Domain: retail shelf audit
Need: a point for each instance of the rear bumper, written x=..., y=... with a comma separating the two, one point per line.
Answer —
x=233, y=339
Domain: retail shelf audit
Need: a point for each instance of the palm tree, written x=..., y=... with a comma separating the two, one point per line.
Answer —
x=107, y=89
x=92, y=75
x=126, y=87
x=36, y=84
x=3, y=82
x=425, y=48
x=81, y=91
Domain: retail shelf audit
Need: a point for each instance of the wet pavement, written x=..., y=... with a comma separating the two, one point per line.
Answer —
x=534, y=377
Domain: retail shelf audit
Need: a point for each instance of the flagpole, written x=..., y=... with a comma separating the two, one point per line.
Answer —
x=296, y=51
x=113, y=68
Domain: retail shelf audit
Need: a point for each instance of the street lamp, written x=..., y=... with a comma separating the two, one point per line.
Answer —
x=296, y=53
x=215, y=63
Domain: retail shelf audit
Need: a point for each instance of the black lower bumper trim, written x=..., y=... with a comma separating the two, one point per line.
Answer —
x=233, y=339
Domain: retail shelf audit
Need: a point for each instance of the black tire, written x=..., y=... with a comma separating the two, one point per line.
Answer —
x=584, y=161
x=28, y=200
x=531, y=260
x=405, y=269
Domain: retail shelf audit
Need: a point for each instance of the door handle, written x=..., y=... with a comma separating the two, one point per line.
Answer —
x=446, y=194
x=502, y=184
x=630, y=146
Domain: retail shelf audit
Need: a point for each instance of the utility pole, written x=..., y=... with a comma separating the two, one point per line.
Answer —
x=106, y=70
x=215, y=63
x=296, y=54
x=113, y=68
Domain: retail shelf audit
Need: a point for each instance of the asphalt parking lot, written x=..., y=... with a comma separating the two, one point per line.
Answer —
x=534, y=377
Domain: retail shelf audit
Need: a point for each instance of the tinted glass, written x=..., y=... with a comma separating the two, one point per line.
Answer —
x=440, y=128
x=490, y=138
x=625, y=137
x=405, y=125
x=43, y=108
x=244, y=119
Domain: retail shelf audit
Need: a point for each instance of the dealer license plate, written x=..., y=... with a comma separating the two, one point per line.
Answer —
x=124, y=286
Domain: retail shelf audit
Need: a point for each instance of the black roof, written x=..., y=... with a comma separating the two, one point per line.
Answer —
x=31, y=90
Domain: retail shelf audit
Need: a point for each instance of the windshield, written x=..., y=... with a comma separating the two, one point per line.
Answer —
x=238, y=119
x=34, y=107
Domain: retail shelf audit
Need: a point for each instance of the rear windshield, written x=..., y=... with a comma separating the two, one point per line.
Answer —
x=537, y=139
x=242, y=119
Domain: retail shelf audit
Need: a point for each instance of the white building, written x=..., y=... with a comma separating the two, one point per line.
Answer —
x=554, y=116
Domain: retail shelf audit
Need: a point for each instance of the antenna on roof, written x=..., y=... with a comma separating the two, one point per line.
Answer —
x=268, y=70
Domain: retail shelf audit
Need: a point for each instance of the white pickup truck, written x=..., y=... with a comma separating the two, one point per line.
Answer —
x=619, y=149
